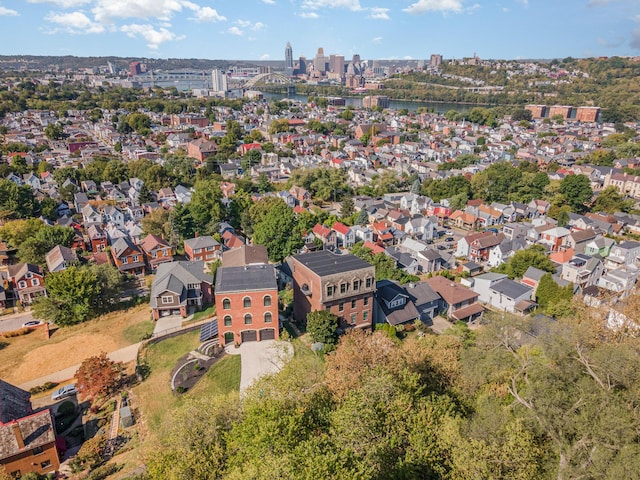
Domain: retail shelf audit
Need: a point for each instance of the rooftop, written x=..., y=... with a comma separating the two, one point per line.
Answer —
x=246, y=278
x=324, y=262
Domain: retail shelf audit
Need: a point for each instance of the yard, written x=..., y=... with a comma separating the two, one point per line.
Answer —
x=26, y=357
x=154, y=400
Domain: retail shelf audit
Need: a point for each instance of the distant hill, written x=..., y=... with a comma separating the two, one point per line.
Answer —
x=70, y=62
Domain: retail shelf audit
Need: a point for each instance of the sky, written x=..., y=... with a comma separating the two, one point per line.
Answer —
x=260, y=29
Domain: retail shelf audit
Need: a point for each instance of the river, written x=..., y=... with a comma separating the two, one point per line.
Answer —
x=356, y=102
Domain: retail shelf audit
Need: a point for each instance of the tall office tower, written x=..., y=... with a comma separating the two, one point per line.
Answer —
x=319, y=62
x=302, y=68
x=356, y=59
x=218, y=80
x=288, y=61
x=436, y=60
x=134, y=69
x=336, y=64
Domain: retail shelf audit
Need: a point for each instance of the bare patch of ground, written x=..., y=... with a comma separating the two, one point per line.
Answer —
x=32, y=356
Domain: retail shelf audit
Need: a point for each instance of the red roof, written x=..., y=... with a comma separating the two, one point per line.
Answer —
x=321, y=230
x=299, y=209
x=340, y=228
x=375, y=249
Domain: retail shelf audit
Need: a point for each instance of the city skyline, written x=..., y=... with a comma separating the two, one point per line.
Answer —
x=407, y=29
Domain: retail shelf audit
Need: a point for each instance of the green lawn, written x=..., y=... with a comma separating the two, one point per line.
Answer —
x=154, y=394
x=139, y=331
x=221, y=379
x=206, y=313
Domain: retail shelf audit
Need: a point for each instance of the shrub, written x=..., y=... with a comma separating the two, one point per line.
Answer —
x=181, y=389
x=17, y=333
x=43, y=388
x=104, y=471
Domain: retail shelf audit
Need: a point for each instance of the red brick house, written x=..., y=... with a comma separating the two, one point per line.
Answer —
x=201, y=149
x=97, y=238
x=28, y=281
x=180, y=288
x=156, y=250
x=28, y=439
x=127, y=257
x=205, y=248
x=341, y=284
x=480, y=248
x=246, y=303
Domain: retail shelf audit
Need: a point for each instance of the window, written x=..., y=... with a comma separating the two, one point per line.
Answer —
x=226, y=304
x=343, y=288
x=35, y=282
x=268, y=317
x=37, y=450
x=45, y=464
x=227, y=320
x=267, y=300
x=248, y=319
x=353, y=319
x=22, y=284
x=330, y=289
x=367, y=283
x=167, y=299
x=135, y=258
x=356, y=285
x=365, y=315
x=366, y=301
x=28, y=275
x=247, y=302
x=341, y=307
x=353, y=304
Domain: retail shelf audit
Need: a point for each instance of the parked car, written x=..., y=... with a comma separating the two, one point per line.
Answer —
x=66, y=391
x=32, y=323
x=448, y=239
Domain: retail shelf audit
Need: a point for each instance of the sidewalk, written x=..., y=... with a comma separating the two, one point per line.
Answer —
x=126, y=354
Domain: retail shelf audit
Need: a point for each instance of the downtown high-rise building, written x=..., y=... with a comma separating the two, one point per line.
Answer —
x=336, y=64
x=288, y=60
x=320, y=61
x=302, y=65
x=218, y=80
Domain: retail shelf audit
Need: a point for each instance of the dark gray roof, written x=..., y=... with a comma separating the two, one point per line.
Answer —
x=388, y=290
x=324, y=262
x=175, y=277
x=36, y=430
x=511, y=289
x=14, y=402
x=422, y=293
x=247, y=278
x=534, y=273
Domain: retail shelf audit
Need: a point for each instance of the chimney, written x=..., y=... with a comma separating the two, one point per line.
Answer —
x=195, y=234
x=18, y=435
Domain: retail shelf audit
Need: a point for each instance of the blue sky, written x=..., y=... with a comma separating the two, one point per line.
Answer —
x=260, y=29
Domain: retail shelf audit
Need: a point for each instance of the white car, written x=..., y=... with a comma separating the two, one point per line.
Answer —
x=66, y=391
x=32, y=323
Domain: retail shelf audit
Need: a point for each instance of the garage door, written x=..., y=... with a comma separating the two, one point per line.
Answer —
x=249, y=336
x=267, y=334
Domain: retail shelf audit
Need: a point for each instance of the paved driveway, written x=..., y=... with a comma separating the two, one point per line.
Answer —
x=260, y=359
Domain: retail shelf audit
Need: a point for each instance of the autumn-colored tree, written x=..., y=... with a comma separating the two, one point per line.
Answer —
x=98, y=376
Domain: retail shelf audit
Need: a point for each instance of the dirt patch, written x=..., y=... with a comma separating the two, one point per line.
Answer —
x=33, y=356
x=67, y=353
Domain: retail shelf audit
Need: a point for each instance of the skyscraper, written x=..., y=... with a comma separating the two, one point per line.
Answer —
x=302, y=69
x=218, y=80
x=319, y=62
x=288, y=60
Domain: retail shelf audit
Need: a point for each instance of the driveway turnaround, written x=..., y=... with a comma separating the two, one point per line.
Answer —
x=259, y=359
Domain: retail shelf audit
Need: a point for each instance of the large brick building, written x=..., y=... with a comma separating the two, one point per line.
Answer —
x=342, y=284
x=246, y=303
x=27, y=439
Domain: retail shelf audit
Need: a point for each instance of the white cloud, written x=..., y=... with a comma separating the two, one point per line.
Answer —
x=265, y=56
x=379, y=13
x=407, y=57
x=376, y=40
x=74, y=22
x=243, y=23
x=311, y=15
x=205, y=14
x=505, y=9
x=154, y=37
x=63, y=3
x=258, y=26
x=246, y=24
x=424, y=6
x=7, y=12
x=353, y=5
x=235, y=31
x=269, y=2
x=108, y=10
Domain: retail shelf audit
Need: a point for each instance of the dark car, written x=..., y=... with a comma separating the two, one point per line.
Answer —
x=448, y=239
